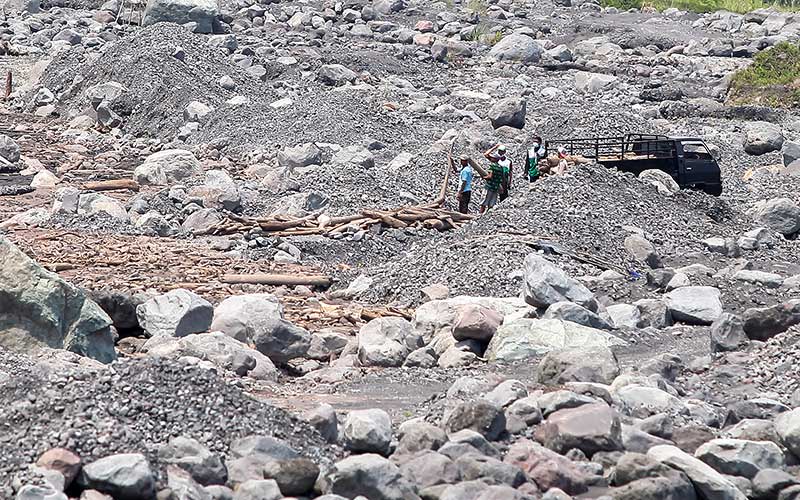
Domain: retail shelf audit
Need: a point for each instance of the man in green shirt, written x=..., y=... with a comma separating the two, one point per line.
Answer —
x=494, y=181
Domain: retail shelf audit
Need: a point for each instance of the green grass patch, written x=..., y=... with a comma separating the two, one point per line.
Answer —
x=478, y=6
x=739, y=6
x=773, y=79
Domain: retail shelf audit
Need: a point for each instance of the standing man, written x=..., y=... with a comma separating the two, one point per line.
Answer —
x=494, y=183
x=532, y=158
x=464, y=185
x=501, y=158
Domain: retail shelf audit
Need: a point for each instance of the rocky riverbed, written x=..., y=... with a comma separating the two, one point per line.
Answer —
x=230, y=268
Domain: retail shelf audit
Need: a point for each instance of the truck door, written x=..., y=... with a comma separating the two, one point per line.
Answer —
x=698, y=168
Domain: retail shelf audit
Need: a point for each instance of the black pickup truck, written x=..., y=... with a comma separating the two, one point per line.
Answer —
x=686, y=159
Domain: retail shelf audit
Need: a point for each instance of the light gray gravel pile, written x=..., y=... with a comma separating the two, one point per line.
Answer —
x=135, y=406
x=160, y=85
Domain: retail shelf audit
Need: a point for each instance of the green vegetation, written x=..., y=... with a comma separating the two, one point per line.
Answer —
x=740, y=6
x=478, y=6
x=773, y=79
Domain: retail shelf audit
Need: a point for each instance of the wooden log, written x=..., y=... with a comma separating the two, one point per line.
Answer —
x=478, y=169
x=8, y=85
x=387, y=218
x=277, y=279
x=112, y=185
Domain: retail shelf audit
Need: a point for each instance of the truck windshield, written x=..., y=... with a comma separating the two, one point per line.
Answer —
x=696, y=151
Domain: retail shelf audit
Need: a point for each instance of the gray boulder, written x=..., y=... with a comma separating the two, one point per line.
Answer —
x=762, y=137
x=420, y=436
x=708, y=482
x=9, y=149
x=242, y=316
x=695, y=305
x=781, y=215
x=39, y=309
x=545, y=284
x=168, y=166
x=323, y=418
x=624, y=316
x=476, y=322
x=661, y=180
x=176, y=313
x=258, y=489
x=642, y=250
x=769, y=482
x=204, y=467
x=591, y=83
x=386, y=342
x=217, y=348
x=300, y=156
x=429, y=468
x=479, y=415
x=653, y=313
x=509, y=112
x=202, y=13
x=739, y=457
x=640, y=477
x=526, y=338
x=587, y=364
x=124, y=477
x=570, y=311
x=368, y=431
x=354, y=155
x=727, y=333
x=369, y=475
x=281, y=341
x=473, y=466
x=791, y=153
x=336, y=74
x=517, y=47
x=763, y=323
x=589, y=428
x=787, y=425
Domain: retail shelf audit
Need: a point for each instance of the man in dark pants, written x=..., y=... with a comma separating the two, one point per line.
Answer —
x=464, y=185
x=498, y=154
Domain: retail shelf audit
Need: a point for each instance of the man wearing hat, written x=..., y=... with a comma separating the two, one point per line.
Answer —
x=464, y=185
x=502, y=160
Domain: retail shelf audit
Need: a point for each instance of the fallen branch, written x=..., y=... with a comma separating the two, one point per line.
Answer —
x=112, y=185
x=277, y=279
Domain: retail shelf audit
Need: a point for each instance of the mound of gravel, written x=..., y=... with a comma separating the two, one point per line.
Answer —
x=134, y=406
x=160, y=85
x=592, y=210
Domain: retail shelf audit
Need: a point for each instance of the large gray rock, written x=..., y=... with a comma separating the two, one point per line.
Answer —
x=242, y=316
x=781, y=215
x=545, y=284
x=479, y=415
x=763, y=323
x=357, y=156
x=769, y=482
x=590, y=83
x=39, y=309
x=762, y=137
x=9, y=149
x=624, y=316
x=787, y=425
x=474, y=466
x=727, y=333
x=640, y=477
x=204, y=467
x=168, y=166
x=336, y=74
x=258, y=489
x=429, y=469
x=201, y=221
x=386, y=342
x=526, y=338
x=547, y=468
x=221, y=350
x=125, y=477
x=302, y=155
x=661, y=180
x=323, y=418
x=281, y=340
x=642, y=401
x=642, y=250
x=695, y=305
x=368, y=431
x=476, y=322
x=708, y=482
x=570, y=311
x=517, y=47
x=585, y=364
x=201, y=12
x=176, y=313
x=589, y=428
x=218, y=191
x=96, y=203
x=508, y=112
x=739, y=457
x=369, y=475
x=791, y=153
